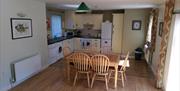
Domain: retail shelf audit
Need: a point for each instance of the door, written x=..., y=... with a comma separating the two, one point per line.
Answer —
x=118, y=20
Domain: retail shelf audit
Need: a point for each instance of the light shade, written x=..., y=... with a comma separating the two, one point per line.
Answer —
x=83, y=8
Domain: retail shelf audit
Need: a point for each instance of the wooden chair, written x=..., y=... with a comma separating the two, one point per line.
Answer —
x=121, y=70
x=81, y=63
x=67, y=58
x=100, y=67
x=66, y=51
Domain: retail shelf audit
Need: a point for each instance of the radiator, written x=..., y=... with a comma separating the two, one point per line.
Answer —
x=23, y=69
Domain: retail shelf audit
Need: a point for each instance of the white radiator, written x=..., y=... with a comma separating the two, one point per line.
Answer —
x=23, y=69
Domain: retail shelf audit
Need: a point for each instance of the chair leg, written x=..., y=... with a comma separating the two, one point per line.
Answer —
x=93, y=80
x=106, y=80
x=125, y=76
x=88, y=79
x=109, y=75
x=75, y=79
x=122, y=78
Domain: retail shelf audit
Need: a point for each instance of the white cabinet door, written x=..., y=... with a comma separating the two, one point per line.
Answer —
x=54, y=54
x=95, y=19
x=70, y=20
x=65, y=43
x=52, y=50
x=96, y=45
x=69, y=43
x=77, y=44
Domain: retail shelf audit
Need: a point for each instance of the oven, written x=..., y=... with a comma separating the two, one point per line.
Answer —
x=86, y=43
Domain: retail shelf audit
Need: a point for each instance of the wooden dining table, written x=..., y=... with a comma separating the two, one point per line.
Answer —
x=114, y=59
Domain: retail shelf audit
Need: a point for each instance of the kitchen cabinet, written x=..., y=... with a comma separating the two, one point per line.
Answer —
x=90, y=44
x=70, y=20
x=96, y=45
x=77, y=44
x=95, y=19
x=56, y=49
x=69, y=43
x=76, y=21
x=55, y=52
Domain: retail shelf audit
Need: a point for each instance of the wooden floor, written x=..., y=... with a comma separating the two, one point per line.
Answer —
x=139, y=78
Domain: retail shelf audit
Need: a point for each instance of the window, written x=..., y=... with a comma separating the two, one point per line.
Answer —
x=56, y=26
x=148, y=38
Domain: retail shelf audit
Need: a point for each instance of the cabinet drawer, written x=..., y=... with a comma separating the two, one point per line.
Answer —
x=53, y=52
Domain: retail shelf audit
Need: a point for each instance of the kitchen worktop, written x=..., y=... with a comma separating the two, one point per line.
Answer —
x=59, y=39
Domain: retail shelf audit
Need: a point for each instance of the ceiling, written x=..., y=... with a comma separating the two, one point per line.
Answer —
x=104, y=4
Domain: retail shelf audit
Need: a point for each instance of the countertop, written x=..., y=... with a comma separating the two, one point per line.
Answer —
x=59, y=39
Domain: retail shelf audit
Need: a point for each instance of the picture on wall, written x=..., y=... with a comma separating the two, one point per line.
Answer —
x=21, y=28
x=136, y=25
x=160, y=28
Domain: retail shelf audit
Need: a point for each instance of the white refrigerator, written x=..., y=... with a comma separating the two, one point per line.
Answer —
x=106, y=36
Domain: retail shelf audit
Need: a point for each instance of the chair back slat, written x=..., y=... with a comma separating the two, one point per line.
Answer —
x=123, y=68
x=100, y=63
x=81, y=61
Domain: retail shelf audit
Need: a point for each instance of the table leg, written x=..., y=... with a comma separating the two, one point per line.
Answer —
x=68, y=70
x=115, y=77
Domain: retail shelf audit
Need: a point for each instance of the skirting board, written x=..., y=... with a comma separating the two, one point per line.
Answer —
x=6, y=88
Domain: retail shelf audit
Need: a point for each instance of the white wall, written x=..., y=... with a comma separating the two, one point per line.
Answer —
x=177, y=5
x=156, y=54
x=132, y=38
x=168, y=86
x=0, y=47
x=172, y=67
x=171, y=64
x=13, y=50
x=155, y=58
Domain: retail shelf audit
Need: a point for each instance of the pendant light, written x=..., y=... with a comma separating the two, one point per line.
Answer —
x=83, y=8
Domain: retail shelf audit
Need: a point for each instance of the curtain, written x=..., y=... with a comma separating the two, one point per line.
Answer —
x=164, y=41
x=56, y=26
x=148, y=37
x=151, y=35
x=154, y=29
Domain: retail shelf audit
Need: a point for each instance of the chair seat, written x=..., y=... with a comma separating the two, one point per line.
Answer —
x=80, y=61
x=100, y=67
x=101, y=73
x=112, y=68
x=71, y=63
x=121, y=70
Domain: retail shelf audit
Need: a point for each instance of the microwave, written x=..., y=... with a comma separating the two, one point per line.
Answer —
x=69, y=33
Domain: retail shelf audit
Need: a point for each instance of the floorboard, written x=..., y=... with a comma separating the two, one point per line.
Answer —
x=139, y=78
